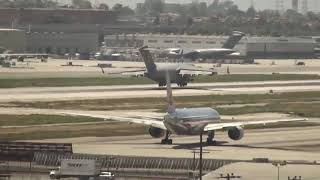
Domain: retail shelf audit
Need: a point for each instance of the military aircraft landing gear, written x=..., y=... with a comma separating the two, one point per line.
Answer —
x=182, y=84
x=162, y=84
x=166, y=140
x=210, y=140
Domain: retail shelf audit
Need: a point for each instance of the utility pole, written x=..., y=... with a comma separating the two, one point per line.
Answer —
x=278, y=165
x=200, y=163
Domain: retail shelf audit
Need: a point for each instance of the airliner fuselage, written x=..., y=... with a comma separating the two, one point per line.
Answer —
x=190, y=121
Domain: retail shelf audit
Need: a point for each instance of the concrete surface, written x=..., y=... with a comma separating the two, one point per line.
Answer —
x=275, y=144
x=257, y=171
x=53, y=68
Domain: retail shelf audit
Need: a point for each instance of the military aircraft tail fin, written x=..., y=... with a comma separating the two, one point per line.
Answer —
x=171, y=107
x=147, y=58
x=233, y=40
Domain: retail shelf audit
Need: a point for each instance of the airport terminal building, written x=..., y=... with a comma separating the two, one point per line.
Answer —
x=13, y=39
x=256, y=47
x=162, y=41
x=60, y=43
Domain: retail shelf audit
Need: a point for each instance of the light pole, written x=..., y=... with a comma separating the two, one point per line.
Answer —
x=278, y=165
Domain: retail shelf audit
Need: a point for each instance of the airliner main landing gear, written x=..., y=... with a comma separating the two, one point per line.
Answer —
x=166, y=140
x=210, y=140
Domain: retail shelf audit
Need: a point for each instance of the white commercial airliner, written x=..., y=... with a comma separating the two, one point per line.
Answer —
x=188, y=121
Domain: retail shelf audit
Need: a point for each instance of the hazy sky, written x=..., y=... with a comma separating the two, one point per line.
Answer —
x=243, y=4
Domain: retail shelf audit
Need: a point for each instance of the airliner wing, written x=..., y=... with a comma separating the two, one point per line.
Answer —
x=217, y=126
x=148, y=122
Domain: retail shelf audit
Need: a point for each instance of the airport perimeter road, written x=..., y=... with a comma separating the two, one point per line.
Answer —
x=275, y=144
x=143, y=91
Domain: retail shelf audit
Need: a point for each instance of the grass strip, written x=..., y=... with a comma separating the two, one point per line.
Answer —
x=37, y=119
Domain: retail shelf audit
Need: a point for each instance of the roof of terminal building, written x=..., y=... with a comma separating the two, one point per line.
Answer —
x=280, y=40
x=56, y=9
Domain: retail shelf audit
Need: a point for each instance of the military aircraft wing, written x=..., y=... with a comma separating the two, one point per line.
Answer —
x=195, y=70
x=144, y=121
x=126, y=71
x=217, y=126
x=129, y=71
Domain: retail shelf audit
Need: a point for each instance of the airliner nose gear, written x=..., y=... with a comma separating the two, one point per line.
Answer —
x=210, y=140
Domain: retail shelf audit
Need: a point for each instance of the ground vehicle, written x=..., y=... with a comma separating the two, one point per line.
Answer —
x=106, y=175
x=79, y=168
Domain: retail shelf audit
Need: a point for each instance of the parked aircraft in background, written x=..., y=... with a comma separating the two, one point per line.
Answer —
x=179, y=73
x=188, y=121
x=214, y=53
x=21, y=56
x=210, y=53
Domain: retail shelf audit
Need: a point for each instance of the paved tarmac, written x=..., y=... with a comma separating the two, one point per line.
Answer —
x=276, y=144
x=54, y=68
x=258, y=171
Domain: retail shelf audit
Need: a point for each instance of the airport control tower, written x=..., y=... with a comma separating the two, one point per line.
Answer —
x=295, y=5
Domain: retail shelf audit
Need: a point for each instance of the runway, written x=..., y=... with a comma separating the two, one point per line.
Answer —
x=143, y=91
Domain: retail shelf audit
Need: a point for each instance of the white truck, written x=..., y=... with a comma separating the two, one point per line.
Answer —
x=77, y=168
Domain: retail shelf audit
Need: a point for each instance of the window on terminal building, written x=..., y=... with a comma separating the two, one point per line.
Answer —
x=182, y=42
x=152, y=41
x=211, y=42
x=58, y=51
x=48, y=50
x=168, y=41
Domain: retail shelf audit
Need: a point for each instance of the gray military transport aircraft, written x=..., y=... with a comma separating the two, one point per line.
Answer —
x=179, y=73
x=226, y=51
x=188, y=121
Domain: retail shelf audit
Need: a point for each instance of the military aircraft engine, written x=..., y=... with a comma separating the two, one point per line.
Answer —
x=236, y=133
x=156, y=132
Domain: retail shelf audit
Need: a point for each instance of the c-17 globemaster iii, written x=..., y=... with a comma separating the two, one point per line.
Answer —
x=225, y=52
x=188, y=121
x=179, y=73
